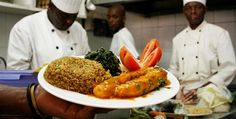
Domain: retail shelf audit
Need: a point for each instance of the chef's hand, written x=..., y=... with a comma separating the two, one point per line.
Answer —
x=180, y=94
x=187, y=98
x=53, y=106
x=190, y=97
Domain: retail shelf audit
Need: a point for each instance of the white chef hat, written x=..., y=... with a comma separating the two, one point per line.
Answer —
x=68, y=6
x=201, y=1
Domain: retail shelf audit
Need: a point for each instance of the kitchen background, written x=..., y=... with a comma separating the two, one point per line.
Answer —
x=163, y=27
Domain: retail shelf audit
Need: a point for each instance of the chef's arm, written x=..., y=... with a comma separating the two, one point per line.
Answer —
x=174, y=64
x=19, y=49
x=85, y=42
x=34, y=101
x=13, y=100
x=227, y=62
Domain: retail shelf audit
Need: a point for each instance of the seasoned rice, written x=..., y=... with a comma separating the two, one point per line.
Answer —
x=76, y=74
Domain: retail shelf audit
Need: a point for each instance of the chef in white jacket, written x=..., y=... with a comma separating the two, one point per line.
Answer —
x=47, y=35
x=202, y=53
x=122, y=36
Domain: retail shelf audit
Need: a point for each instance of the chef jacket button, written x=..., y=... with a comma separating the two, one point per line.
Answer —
x=71, y=48
x=53, y=30
x=196, y=72
x=184, y=45
x=196, y=57
x=57, y=47
x=182, y=58
x=183, y=73
x=200, y=30
x=68, y=32
x=198, y=42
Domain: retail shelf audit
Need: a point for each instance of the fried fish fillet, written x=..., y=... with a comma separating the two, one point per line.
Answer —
x=132, y=84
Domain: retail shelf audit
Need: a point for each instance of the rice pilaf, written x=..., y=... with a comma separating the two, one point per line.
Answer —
x=76, y=74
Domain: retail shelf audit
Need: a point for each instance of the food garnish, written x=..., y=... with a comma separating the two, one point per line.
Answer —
x=108, y=60
x=128, y=60
x=150, y=56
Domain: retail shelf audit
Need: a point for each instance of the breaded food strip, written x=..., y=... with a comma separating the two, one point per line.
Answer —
x=132, y=84
x=141, y=85
x=106, y=89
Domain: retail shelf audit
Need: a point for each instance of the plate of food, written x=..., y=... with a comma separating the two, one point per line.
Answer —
x=76, y=86
x=197, y=111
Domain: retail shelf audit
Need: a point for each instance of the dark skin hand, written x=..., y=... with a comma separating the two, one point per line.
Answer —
x=194, y=12
x=13, y=101
x=63, y=109
x=51, y=105
x=188, y=98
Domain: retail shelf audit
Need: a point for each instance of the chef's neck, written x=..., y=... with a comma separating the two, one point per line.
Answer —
x=121, y=27
x=194, y=26
x=117, y=29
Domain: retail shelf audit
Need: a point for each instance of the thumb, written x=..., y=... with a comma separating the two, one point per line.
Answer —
x=179, y=95
x=181, y=89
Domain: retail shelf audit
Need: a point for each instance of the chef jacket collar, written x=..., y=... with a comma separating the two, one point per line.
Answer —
x=54, y=29
x=199, y=28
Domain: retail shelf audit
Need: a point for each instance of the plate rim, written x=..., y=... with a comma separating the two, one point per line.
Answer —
x=109, y=103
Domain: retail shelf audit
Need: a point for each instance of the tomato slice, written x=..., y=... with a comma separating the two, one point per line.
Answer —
x=128, y=60
x=153, y=58
x=151, y=54
x=151, y=45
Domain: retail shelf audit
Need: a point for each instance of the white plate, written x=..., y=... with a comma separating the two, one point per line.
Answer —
x=195, y=115
x=152, y=98
x=205, y=110
x=203, y=114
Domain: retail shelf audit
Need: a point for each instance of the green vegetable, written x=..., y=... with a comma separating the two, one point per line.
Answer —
x=138, y=113
x=108, y=60
x=162, y=82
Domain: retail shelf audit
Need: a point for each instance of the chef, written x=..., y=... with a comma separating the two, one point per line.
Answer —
x=202, y=53
x=47, y=35
x=121, y=35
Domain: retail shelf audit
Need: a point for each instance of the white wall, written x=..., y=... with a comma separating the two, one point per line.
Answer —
x=6, y=23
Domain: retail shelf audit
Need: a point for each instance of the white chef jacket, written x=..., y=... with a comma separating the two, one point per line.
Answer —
x=123, y=38
x=34, y=41
x=203, y=55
